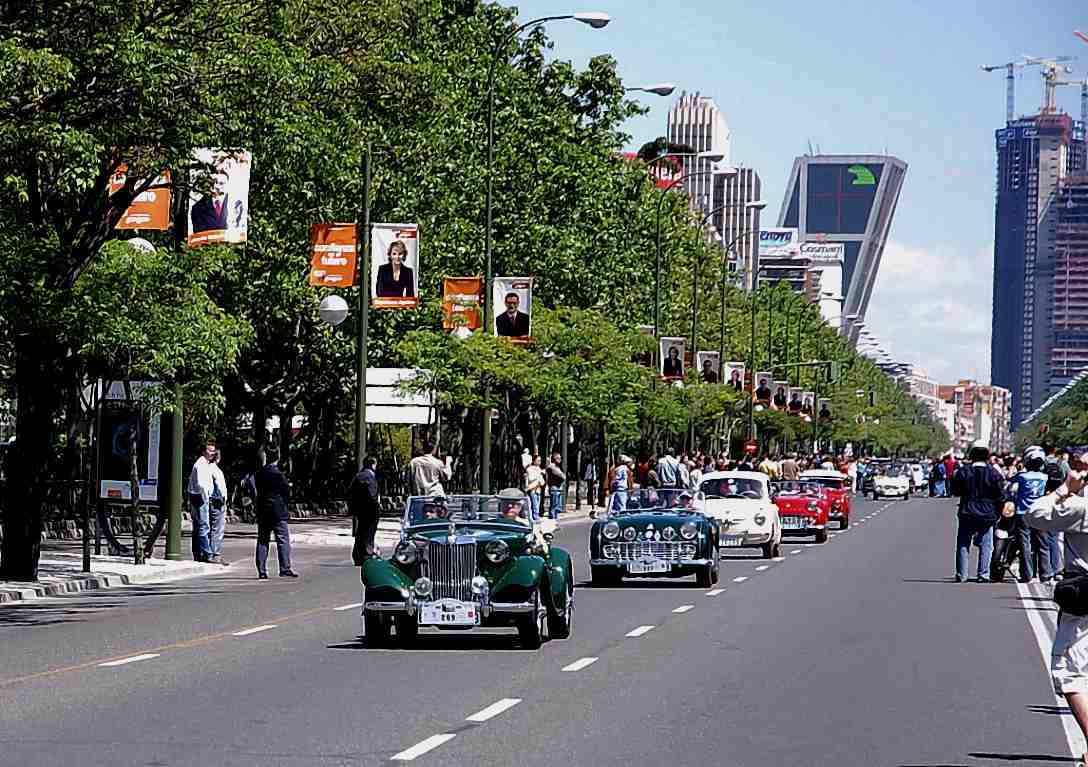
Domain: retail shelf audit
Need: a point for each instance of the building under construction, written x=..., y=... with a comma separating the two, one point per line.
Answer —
x=1069, y=354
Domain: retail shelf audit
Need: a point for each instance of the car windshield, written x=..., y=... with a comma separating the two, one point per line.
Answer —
x=468, y=508
x=793, y=488
x=733, y=487
x=659, y=498
x=895, y=471
x=829, y=482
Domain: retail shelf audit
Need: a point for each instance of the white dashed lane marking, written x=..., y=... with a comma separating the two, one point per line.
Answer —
x=579, y=664
x=684, y=608
x=254, y=630
x=639, y=631
x=714, y=592
x=419, y=749
x=493, y=710
x=761, y=568
x=131, y=659
x=831, y=535
x=779, y=559
x=740, y=579
x=352, y=606
x=796, y=551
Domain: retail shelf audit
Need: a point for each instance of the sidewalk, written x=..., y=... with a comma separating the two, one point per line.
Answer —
x=61, y=572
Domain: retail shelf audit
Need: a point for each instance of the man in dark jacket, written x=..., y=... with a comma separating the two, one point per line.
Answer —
x=981, y=490
x=363, y=498
x=273, y=495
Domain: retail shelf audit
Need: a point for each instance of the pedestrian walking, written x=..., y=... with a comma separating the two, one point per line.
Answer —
x=1024, y=489
x=428, y=471
x=620, y=484
x=668, y=469
x=556, y=479
x=981, y=490
x=534, y=486
x=1065, y=510
x=363, y=504
x=217, y=510
x=787, y=469
x=199, y=491
x=273, y=497
x=590, y=476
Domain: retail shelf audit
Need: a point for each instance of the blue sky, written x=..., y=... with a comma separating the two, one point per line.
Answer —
x=857, y=76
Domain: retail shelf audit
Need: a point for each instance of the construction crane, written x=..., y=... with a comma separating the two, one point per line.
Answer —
x=1052, y=69
x=1081, y=35
x=1010, y=78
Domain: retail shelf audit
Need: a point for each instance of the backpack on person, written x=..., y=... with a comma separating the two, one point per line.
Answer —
x=1053, y=471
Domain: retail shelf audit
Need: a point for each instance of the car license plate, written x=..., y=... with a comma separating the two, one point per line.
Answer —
x=793, y=523
x=449, y=612
x=652, y=566
x=732, y=540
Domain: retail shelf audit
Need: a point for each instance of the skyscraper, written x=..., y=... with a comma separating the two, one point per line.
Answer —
x=1069, y=352
x=850, y=199
x=1034, y=156
x=735, y=191
x=695, y=121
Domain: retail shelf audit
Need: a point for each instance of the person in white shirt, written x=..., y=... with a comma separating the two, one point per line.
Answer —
x=429, y=472
x=217, y=510
x=201, y=485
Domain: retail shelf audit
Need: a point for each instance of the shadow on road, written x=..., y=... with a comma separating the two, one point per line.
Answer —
x=438, y=642
x=643, y=584
x=1054, y=710
x=1023, y=757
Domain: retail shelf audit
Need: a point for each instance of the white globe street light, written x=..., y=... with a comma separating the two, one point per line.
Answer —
x=333, y=309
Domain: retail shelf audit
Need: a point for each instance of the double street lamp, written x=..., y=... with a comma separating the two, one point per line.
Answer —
x=594, y=19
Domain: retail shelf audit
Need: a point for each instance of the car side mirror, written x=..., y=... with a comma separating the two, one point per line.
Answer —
x=549, y=537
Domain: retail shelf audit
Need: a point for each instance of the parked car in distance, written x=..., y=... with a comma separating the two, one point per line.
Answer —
x=894, y=482
x=741, y=503
x=802, y=507
x=836, y=486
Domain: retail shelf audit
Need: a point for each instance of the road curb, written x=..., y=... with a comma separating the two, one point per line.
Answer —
x=100, y=581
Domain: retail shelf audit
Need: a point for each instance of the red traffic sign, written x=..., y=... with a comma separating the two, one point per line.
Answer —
x=751, y=446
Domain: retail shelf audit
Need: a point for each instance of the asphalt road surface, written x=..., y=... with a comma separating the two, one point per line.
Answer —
x=860, y=651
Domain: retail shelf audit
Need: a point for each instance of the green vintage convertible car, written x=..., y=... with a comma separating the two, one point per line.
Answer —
x=660, y=534
x=468, y=561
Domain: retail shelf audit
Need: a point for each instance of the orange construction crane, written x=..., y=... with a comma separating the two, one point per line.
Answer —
x=1010, y=79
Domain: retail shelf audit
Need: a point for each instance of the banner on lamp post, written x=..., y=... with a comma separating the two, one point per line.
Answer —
x=709, y=367
x=151, y=208
x=394, y=266
x=512, y=307
x=462, y=301
x=221, y=213
x=332, y=255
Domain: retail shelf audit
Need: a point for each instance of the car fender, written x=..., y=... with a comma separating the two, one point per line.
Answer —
x=560, y=577
x=384, y=582
x=519, y=579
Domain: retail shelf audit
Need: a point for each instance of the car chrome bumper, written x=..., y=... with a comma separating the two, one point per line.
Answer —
x=508, y=607
x=485, y=608
x=386, y=607
x=625, y=562
x=747, y=539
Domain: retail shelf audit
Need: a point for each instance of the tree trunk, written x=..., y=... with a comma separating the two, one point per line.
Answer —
x=37, y=366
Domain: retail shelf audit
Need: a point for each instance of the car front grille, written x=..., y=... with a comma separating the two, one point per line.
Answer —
x=670, y=551
x=451, y=567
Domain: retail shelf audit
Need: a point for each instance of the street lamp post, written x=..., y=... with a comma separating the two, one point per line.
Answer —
x=752, y=352
x=754, y=205
x=596, y=21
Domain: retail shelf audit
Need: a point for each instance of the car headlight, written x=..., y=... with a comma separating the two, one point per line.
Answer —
x=689, y=530
x=630, y=533
x=759, y=519
x=480, y=586
x=611, y=531
x=406, y=553
x=496, y=552
x=669, y=533
x=422, y=587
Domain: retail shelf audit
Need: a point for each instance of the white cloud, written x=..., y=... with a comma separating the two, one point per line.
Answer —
x=932, y=307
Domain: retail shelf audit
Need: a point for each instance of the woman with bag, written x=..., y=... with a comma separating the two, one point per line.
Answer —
x=1066, y=510
x=534, y=484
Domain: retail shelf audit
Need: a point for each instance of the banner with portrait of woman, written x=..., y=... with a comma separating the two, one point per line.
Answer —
x=219, y=197
x=781, y=398
x=394, y=266
x=671, y=354
x=734, y=375
x=808, y=403
x=512, y=307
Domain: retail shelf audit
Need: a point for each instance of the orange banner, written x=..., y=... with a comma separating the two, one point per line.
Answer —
x=461, y=306
x=150, y=209
x=332, y=255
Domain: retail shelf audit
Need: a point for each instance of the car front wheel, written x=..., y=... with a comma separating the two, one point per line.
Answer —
x=821, y=536
x=705, y=577
x=376, y=628
x=560, y=623
x=844, y=522
x=407, y=630
x=530, y=631
x=605, y=576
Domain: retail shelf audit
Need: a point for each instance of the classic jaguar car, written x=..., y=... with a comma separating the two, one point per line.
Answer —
x=661, y=534
x=741, y=503
x=836, y=487
x=802, y=507
x=465, y=561
x=893, y=482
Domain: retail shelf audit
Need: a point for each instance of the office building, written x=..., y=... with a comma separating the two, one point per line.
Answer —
x=847, y=199
x=696, y=122
x=736, y=223
x=982, y=413
x=1035, y=155
x=1069, y=350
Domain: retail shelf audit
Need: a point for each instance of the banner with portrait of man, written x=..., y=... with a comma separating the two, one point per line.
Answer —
x=781, y=398
x=394, y=266
x=763, y=382
x=734, y=375
x=709, y=367
x=671, y=356
x=824, y=412
x=796, y=393
x=219, y=197
x=512, y=308
x=462, y=302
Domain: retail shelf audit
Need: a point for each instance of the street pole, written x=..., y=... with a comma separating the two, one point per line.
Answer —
x=175, y=497
x=770, y=313
x=362, y=245
x=752, y=354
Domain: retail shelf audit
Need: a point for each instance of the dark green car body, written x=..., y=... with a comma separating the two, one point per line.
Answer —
x=445, y=574
x=666, y=541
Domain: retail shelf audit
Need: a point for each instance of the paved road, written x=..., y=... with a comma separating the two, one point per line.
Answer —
x=857, y=652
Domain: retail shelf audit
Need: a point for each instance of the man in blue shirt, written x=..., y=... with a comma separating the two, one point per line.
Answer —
x=1023, y=490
